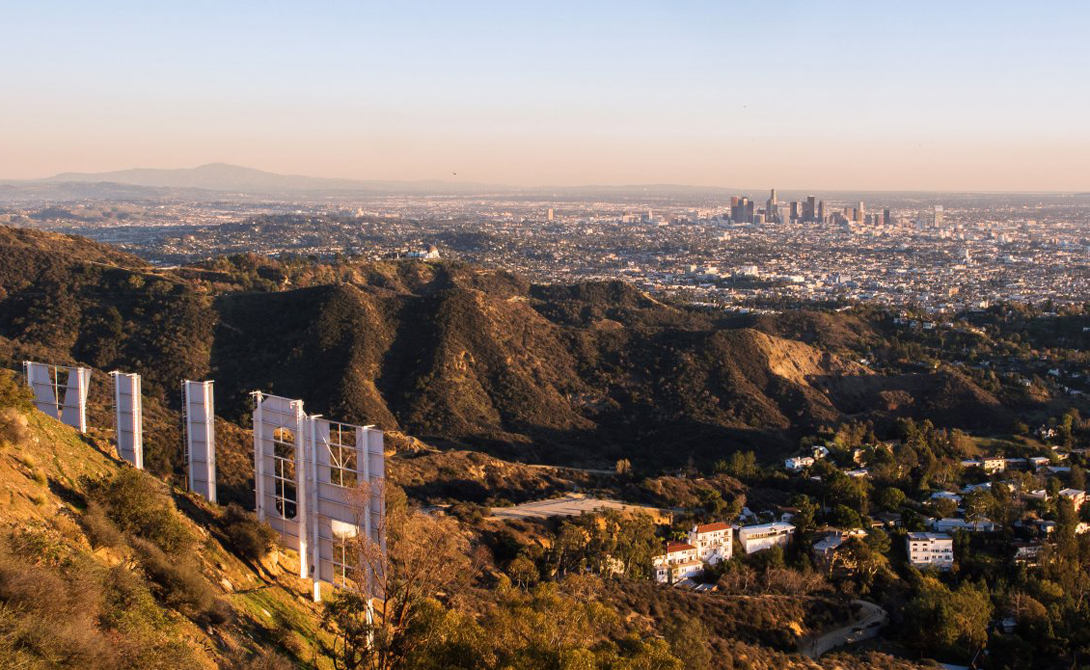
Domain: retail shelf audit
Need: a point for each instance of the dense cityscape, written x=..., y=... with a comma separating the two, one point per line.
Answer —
x=938, y=252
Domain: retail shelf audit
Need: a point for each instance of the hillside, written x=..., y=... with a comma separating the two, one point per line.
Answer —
x=575, y=375
x=80, y=589
x=102, y=566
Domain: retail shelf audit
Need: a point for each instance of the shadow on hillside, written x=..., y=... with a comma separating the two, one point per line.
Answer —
x=67, y=494
x=650, y=448
x=947, y=399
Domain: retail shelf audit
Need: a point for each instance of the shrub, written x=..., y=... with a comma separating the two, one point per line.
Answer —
x=265, y=660
x=178, y=581
x=139, y=506
x=248, y=537
x=13, y=394
x=49, y=618
x=468, y=512
x=13, y=426
x=69, y=613
x=100, y=530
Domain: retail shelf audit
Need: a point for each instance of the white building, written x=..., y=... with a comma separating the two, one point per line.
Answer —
x=765, y=535
x=930, y=550
x=952, y=524
x=798, y=463
x=680, y=561
x=713, y=542
x=431, y=253
x=993, y=464
x=946, y=495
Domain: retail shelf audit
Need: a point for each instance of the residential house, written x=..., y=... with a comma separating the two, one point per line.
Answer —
x=765, y=535
x=930, y=550
x=798, y=463
x=952, y=524
x=680, y=561
x=993, y=464
x=1076, y=496
x=713, y=542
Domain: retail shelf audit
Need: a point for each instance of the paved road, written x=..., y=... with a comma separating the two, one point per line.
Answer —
x=570, y=505
x=870, y=620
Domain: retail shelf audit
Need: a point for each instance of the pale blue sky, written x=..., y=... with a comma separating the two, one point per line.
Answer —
x=954, y=95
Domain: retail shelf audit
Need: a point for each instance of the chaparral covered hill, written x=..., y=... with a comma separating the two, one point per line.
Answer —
x=578, y=374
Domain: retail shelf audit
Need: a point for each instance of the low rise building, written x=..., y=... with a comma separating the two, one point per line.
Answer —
x=993, y=464
x=930, y=550
x=764, y=536
x=798, y=463
x=680, y=561
x=713, y=542
x=1076, y=496
x=952, y=524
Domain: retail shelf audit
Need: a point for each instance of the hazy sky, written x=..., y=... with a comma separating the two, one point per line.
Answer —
x=958, y=94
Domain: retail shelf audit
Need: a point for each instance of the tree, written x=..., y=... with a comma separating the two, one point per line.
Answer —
x=804, y=519
x=943, y=507
x=863, y=558
x=624, y=466
x=568, y=547
x=1078, y=477
x=411, y=559
x=890, y=498
x=688, y=639
x=712, y=502
x=741, y=464
x=843, y=516
x=977, y=504
x=945, y=622
x=522, y=572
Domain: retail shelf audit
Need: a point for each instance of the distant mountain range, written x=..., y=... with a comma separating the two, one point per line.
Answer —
x=225, y=180
x=235, y=178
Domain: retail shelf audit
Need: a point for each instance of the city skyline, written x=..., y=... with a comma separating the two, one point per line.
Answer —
x=829, y=96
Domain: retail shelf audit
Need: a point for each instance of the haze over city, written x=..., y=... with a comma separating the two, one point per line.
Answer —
x=965, y=96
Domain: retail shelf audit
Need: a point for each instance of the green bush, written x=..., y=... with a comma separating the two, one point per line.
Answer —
x=178, y=582
x=248, y=537
x=265, y=660
x=100, y=530
x=76, y=616
x=13, y=393
x=139, y=506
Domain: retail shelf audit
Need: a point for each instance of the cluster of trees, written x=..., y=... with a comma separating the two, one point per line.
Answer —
x=435, y=608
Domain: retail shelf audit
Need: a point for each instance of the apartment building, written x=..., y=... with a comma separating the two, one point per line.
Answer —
x=930, y=550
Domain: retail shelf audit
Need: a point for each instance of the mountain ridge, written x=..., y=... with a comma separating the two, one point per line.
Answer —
x=583, y=374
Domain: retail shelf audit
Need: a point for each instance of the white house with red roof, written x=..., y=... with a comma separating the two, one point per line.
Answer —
x=681, y=560
x=713, y=542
